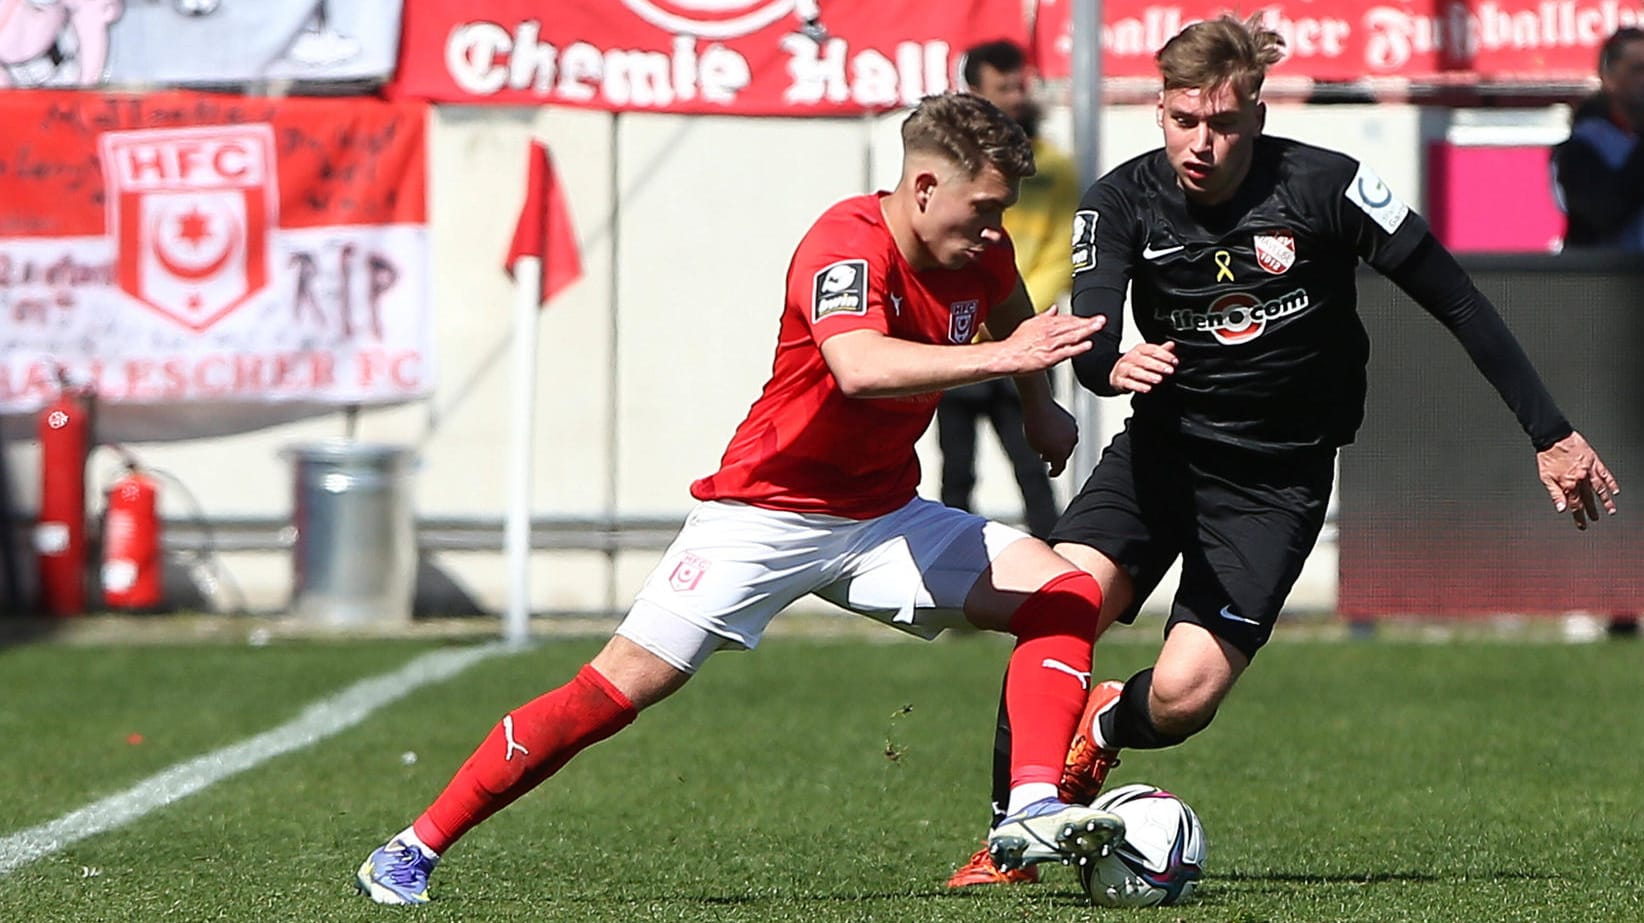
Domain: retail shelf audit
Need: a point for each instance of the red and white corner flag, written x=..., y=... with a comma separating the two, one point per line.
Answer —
x=544, y=228
x=543, y=260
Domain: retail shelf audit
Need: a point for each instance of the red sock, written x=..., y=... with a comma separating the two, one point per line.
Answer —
x=531, y=744
x=1047, y=683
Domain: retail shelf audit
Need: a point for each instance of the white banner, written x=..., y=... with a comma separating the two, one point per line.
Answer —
x=346, y=322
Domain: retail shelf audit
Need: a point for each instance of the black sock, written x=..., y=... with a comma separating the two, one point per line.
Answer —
x=1001, y=763
x=1127, y=725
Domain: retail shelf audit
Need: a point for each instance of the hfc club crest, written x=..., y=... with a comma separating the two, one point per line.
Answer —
x=962, y=321
x=190, y=210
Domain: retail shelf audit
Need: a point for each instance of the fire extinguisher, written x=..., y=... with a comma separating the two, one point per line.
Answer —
x=132, y=564
x=60, y=532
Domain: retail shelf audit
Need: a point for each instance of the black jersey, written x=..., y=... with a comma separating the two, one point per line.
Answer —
x=1258, y=293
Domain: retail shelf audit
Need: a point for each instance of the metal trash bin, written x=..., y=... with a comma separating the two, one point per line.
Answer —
x=355, y=557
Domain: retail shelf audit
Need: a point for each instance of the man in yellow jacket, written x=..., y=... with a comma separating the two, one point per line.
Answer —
x=1040, y=224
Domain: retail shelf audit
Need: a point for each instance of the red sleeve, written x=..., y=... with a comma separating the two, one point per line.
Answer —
x=837, y=283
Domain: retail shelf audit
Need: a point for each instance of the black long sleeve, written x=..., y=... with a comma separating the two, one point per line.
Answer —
x=1103, y=259
x=1093, y=368
x=1432, y=277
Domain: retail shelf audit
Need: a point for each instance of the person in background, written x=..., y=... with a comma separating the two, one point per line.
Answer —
x=1039, y=225
x=1598, y=173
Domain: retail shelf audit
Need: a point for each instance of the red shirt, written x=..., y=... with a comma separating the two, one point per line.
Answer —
x=805, y=446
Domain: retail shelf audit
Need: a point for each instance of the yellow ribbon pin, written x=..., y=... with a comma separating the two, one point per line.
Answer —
x=1224, y=266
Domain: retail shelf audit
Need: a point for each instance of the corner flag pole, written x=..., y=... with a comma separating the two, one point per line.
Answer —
x=543, y=259
x=522, y=414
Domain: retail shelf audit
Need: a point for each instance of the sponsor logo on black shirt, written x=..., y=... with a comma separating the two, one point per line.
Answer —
x=1239, y=317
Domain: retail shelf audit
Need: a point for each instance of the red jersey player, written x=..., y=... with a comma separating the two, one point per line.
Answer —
x=816, y=494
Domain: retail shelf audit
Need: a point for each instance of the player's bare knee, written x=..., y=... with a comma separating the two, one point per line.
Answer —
x=642, y=676
x=1114, y=580
x=1182, y=705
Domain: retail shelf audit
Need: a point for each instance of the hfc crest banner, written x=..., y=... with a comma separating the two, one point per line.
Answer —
x=190, y=212
x=186, y=249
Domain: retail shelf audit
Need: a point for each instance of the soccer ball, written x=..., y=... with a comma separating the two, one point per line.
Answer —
x=1162, y=855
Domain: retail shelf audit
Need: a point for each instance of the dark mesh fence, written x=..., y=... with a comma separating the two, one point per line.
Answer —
x=1440, y=509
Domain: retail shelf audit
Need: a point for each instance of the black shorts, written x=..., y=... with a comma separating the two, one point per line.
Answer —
x=1243, y=523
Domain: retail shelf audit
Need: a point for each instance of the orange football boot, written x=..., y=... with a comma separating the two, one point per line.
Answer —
x=981, y=870
x=1087, y=764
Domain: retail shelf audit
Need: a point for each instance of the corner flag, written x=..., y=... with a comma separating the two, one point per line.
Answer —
x=544, y=228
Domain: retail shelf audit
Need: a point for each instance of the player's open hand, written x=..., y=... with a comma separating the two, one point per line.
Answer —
x=1145, y=365
x=1577, y=480
x=1046, y=339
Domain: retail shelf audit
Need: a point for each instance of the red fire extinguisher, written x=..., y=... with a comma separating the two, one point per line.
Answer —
x=132, y=564
x=60, y=533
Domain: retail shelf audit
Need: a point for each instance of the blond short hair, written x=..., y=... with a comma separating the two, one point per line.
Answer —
x=969, y=131
x=1221, y=52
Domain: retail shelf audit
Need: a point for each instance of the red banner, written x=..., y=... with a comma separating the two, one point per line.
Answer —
x=1528, y=41
x=734, y=57
x=180, y=248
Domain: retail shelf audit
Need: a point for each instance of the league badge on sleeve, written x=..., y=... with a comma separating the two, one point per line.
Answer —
x=840, y=288
x=1084, y=240
x=1372, y=196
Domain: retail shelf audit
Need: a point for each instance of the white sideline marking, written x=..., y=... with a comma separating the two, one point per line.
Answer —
x=317, y=722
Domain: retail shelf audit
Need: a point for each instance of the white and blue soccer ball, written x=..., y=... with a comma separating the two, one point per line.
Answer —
x=1161, y=858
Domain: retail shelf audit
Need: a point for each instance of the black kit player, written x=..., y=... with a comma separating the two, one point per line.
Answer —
x=1240, y=252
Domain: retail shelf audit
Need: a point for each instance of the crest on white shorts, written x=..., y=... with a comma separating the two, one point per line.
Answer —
x=687, y=573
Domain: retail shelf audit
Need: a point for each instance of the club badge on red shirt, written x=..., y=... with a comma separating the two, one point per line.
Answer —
x=962, y=321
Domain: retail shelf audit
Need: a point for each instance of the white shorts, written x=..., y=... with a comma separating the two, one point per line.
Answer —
x=733, y=567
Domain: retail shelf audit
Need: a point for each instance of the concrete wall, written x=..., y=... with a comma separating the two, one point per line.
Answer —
x=645, y=366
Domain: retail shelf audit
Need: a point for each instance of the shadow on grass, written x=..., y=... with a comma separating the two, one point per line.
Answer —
x=1220, y=886
x=16, y=631
x=732, y=900
x=1058, y=895
x=1371, y=878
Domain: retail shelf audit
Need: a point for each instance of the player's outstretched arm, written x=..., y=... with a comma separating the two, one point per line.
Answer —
x=1437, y=282
x=1042, y=341
x=1002, y=322
x=867, y=363
x=1576, y=479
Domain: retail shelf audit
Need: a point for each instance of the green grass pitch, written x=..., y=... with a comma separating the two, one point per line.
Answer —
x=838, y=780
